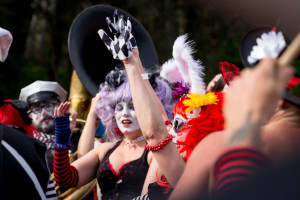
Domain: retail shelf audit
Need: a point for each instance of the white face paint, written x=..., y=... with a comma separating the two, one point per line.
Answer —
x=178, y=123
x=42, y=116
x=126, y=118
x=195, y=113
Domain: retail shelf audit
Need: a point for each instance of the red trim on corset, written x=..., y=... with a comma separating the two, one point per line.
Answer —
x=114, y=171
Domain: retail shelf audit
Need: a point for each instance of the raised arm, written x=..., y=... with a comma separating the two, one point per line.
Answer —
x=153, y=95
x=252, y=101
x=148, y=113
x=249, y=103
x=86, y=141
x=82, y=170
x=151, y=122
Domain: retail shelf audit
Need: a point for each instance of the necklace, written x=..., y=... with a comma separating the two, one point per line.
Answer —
x=132, y=142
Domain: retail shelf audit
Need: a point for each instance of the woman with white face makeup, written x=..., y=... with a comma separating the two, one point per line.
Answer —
x=197, y=113
x=126, y=118
x=123, y=166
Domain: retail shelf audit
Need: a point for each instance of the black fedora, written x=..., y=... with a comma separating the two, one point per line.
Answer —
x=90, y=57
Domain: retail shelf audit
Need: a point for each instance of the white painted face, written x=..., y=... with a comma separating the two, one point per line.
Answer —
x=178, y=123
x=42, y=116
x=126, y=118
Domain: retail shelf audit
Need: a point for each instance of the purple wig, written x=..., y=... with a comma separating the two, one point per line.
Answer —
x=105, y=108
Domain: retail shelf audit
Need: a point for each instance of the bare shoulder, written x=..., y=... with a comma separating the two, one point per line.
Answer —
x=212, y=144
x=281, y=142
x=103, y=148
x=197, y=170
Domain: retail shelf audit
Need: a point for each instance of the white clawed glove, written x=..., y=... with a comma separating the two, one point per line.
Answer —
x=123, y=42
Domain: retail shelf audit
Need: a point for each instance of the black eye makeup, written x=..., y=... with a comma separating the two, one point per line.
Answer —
x=130, y=106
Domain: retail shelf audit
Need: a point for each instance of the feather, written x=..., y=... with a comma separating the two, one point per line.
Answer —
x=180, y=91
x=190, y=69
x=269, y=44
x=183, y=67
x=169, y=71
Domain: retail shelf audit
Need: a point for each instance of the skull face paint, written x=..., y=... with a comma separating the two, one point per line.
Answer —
x=178, y=123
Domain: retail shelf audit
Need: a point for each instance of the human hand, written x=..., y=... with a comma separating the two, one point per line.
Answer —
x=62, y=125
x=62, y=109
x=94, y=102
x=123, y=43
x=252, y=100
x=212, y=83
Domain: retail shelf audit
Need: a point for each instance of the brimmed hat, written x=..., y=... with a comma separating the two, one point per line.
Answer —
x=250, y=40
x=42, y=90
x=91, y=58
x=288, y=24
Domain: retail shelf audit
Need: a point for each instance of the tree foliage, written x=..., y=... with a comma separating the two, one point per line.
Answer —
x=40, y=29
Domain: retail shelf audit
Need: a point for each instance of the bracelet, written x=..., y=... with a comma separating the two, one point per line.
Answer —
x=160, y=145
x=145, y=76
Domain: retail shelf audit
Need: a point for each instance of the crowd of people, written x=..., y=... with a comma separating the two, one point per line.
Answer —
x=168, y=134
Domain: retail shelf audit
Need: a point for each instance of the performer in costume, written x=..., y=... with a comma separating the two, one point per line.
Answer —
x=153, y=119
x=119, y=175
x=15, y=113
x=197, y=112
x=123, y=165
x=24, y=172
x=42, y=97
x=278, y=147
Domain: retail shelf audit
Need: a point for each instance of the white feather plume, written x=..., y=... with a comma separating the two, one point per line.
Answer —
x=169, y=71
x=183, y=67
x=268, y=45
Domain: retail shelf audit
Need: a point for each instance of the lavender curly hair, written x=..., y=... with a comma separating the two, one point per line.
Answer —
x=105, y=108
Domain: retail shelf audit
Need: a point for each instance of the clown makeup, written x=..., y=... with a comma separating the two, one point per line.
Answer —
x=126, y=117
x=178, y=123
x=42, y=115
x=194, y=114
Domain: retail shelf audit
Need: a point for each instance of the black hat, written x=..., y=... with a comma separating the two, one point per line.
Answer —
x=288, y=24
x=246, y=46
x=91, y=58
x=249, y=40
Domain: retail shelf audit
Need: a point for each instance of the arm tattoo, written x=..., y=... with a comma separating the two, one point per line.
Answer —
x=249, y=131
